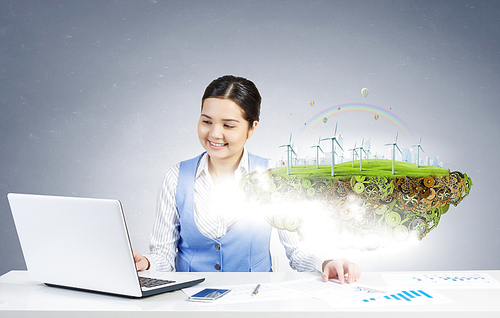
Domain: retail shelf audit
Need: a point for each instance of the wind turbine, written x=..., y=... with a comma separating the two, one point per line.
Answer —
x=366, y=149
x=418, y=151
x=318, y=148
x=292, y=157
x=394, y=146
x=289, y=152
x=361, y=150
x=334, y=140
x=354, y=152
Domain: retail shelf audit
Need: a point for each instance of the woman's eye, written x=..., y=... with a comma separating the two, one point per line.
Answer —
x=228, y=126
x=206, y=122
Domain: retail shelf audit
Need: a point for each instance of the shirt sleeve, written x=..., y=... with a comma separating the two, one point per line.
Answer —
x=301, y=257
x=165, y=234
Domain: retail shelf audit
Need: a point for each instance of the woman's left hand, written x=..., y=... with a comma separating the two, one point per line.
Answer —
x=337, y=268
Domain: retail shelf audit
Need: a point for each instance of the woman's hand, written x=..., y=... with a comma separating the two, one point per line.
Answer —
x=337, y=268
x=141, y=262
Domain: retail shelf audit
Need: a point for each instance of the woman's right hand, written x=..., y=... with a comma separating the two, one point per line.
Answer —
x=141, y=262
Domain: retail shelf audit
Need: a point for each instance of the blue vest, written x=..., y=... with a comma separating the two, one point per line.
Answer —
x=245, y=248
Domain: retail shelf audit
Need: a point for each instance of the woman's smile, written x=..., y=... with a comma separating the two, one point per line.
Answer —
x=222, y=130
x=214, y=145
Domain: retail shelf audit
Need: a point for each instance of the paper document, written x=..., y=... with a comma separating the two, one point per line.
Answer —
x=438, y=280
x=332, y=292
x=356, y=295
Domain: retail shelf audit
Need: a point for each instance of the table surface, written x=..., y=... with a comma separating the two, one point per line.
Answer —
x=20, y=296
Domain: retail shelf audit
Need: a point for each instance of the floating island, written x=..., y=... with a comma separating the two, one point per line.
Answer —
x=368, y=203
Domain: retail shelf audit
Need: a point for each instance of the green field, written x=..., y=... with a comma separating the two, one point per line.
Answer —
x=374, y=167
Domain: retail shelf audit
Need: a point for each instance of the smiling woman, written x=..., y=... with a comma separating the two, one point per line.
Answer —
x=203, y=222
x=223, y=132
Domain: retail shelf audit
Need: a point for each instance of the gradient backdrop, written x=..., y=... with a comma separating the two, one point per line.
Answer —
x=98, y=98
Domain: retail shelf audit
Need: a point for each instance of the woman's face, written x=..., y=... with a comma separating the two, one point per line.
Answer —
x=222, y=130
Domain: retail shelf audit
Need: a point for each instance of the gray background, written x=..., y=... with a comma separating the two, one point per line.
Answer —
x=98, y=98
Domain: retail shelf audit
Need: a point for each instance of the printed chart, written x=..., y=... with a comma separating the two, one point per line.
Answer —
x=438, y=280
x=405, y=297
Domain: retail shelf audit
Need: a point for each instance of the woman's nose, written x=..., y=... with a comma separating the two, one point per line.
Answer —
x=216, y=131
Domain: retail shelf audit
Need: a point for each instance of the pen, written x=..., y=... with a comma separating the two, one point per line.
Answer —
x=256, y=291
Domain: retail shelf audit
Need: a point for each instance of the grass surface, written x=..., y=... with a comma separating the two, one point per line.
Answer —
x=374, y=167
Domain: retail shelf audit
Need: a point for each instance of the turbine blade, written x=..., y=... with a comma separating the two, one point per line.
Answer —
x=398, y=148
x=339, y=144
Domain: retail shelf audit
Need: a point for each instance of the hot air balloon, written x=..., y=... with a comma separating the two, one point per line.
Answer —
x=312, y=103
x=325, y=120
x=376, y=116
x=365, y=92
x=338, y=108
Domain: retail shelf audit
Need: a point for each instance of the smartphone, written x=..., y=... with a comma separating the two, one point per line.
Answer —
x=209, y=294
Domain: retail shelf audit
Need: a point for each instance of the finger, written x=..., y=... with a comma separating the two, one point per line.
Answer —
x=326, y=273
x=351, y=269
x=340, y=271
x=141, y=264
x=353, y=272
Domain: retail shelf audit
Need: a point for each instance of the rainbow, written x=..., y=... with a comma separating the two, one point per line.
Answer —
x=367, y=108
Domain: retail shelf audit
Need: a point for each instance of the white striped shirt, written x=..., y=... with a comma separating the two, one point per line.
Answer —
x=214, y=215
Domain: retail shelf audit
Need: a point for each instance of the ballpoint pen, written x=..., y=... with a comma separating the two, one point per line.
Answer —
x=256, y=291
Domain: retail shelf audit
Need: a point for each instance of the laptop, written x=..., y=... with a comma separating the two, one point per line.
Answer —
x=83, y=243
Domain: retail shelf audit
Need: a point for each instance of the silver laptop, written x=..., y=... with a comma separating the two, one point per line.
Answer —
x=83, y=243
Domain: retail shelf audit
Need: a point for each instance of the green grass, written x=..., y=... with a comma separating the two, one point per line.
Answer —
x=375, y=167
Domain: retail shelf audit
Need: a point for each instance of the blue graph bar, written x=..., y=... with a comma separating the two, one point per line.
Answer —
x=425, y=294
x=408, y=294
x=415, y=293
x=404, y=295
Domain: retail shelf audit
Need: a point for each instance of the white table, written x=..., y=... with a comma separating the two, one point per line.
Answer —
x=21, y=297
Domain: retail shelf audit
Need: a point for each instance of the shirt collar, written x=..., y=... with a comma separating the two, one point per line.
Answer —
x=240, y=171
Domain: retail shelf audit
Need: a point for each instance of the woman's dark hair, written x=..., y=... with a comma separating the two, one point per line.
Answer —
x=241, y=91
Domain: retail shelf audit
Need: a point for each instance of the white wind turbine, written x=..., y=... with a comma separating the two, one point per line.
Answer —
x=361, y=150
x=318, y=149
x=289, y=152
x=418, y=151
x=334, y=140
x=394, y=146
x=354, y=152
x=366, y=149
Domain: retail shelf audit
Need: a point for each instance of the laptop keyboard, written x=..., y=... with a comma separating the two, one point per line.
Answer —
x=153, y=282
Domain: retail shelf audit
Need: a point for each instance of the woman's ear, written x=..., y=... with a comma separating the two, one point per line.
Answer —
x=252, y=129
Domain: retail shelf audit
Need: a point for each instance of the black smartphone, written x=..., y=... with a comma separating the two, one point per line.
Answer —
x=209, y=294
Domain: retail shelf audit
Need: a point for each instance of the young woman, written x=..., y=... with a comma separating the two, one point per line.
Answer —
x=200, y=222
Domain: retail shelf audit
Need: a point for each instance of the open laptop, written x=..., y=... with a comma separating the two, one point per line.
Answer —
x=82, y=243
